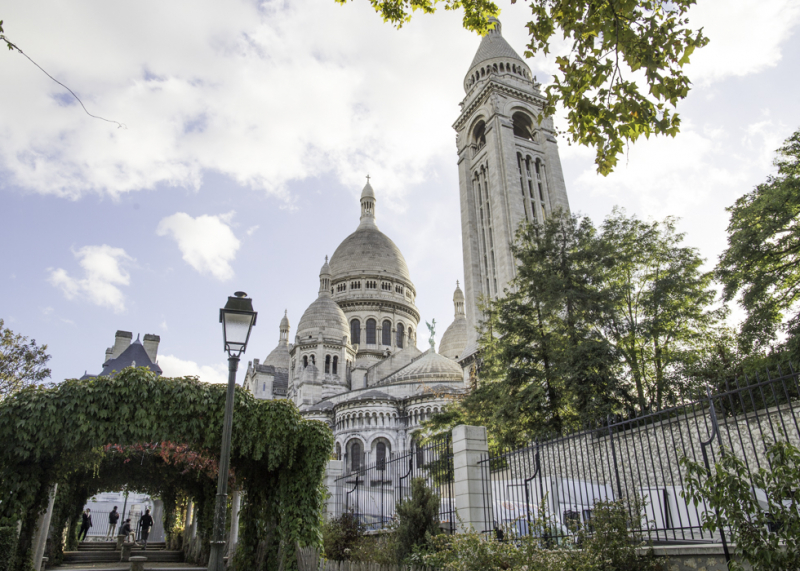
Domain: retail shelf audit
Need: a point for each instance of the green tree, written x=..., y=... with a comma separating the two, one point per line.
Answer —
x=660, y=301
x=22, y=363
x=762, y=261
x=544, y=364
x=417, y=519
x=613, y=43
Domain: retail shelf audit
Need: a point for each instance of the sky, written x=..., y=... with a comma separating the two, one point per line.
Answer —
x=248, y=128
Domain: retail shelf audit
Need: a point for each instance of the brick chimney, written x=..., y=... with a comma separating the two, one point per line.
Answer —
x=122, y=339
x=151, y=345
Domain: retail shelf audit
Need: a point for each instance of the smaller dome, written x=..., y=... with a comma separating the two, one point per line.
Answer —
x=279, y=358
x=285, y=320
x=429, y=366
x=368, y=192
x=325, y=316
x=454, y=340
x=326, y=269
x=458, y=295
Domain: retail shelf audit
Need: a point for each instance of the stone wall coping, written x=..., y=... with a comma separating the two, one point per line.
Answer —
x=693, y=549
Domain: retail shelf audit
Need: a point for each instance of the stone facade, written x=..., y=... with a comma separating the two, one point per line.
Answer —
x=354, y=362
x=508, y=167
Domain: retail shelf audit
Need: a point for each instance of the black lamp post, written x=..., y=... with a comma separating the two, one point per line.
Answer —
x=238, y=319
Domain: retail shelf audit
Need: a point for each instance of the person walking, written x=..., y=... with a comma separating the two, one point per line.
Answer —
x=127, y=531
x=145, y=524
x=86, y=523
x=113, y=518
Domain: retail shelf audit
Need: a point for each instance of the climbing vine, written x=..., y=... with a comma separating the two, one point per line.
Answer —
x=91, y=434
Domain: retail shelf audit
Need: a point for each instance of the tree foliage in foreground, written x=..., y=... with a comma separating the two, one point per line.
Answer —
x=595, y=323
x=22, y=363
x=766, y=537
x=762, y=261
x=623, y=76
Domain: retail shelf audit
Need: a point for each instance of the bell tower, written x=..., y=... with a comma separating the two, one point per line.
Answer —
x=508, y=168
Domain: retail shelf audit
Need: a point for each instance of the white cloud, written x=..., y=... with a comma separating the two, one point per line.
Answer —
x=172, y=366
x=206, y=242
x=104, y=270
x=746, y=36
x=252, y=229
x=264, y=93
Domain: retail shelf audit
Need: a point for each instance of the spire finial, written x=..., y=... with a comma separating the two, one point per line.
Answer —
x=326, y=259
x=456, y=283
x=285, y=312
x=367, y=178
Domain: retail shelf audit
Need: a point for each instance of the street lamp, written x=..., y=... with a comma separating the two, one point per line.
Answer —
x=238, y=319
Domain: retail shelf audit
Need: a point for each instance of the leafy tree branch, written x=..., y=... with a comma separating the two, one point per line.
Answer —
x=651, y=39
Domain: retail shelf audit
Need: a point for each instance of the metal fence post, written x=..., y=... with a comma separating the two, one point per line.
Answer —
x=703, y=443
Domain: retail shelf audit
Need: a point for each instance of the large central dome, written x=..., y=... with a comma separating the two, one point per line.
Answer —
x=368, y=250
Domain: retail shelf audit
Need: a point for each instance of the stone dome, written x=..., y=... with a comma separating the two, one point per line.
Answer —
x=494, y=48
x=368, y=250
x=279, y=357
x=430, y=366
x=324, y=315
x=454, y=340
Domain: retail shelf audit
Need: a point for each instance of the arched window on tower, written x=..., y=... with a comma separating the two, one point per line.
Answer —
x=338, y=451
x=335, y=364
x=355, y=457
x=479, y=135
x=372, y=325
x=401, y=331
x=355, y=332
x=305, y=361
x=523, y=126
x=327, y=363
x=380, y=456
x=386, y=333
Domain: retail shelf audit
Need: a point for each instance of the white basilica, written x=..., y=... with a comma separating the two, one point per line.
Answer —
x=354, y=361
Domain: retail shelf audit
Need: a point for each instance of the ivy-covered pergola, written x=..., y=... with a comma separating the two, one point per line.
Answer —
x=80, y=433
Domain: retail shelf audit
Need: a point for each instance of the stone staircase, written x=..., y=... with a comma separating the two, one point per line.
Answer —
x=93, y=553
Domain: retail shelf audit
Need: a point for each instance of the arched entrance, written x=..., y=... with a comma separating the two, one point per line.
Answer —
x=50, y=435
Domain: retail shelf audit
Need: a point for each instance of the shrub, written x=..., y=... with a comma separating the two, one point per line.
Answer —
x=340, y=536
x=8, y=547
x=417, y=519
x=606, y=546
x=767, y=539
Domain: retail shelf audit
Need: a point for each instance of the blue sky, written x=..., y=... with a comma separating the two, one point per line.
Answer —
x=249, y=130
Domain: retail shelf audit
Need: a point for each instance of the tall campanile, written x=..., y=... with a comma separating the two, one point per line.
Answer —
x=508, y=169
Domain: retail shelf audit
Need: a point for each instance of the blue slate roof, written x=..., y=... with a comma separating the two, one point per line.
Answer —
x=134, y=354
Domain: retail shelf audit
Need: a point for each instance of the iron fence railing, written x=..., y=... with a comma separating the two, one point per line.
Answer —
x=639, y=459
x=372, y=492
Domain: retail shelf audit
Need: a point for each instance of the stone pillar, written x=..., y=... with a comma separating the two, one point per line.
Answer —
x=334, y=470
x=43, y=529
x=137, y=562
x=233, y=538
x=469, y=447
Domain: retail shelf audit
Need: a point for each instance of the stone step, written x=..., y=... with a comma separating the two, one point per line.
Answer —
x=107, y=556
x=111, y=545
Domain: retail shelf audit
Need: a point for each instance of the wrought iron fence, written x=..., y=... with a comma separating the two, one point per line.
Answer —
x=372, y=492
x=638, y=459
